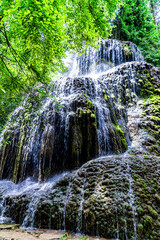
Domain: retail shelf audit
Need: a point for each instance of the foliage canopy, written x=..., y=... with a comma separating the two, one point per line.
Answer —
x=35, y=34
x=135, y=23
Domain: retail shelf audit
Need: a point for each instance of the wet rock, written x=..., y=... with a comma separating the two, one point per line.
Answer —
x=98, y=116
x=115, y=196
x=124, y=202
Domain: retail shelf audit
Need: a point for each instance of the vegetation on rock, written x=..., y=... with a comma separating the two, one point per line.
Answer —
x=110, y=184
x=114, y=196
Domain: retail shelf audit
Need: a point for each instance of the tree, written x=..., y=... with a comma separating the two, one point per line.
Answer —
x=35, y=34
x=135, y=23
x=155, y=4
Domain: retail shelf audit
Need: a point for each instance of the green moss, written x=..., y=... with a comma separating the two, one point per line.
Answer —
x=140, y=211
x=77, y=141
x=152, y=212
x=140, y=228
x=119, y=130
x=147, y=221
x=147, y=84
x=80, y=113
x=89, y=103
x=121, y=134
x=93, y=116
x=124, y=143
x=157, y=91
x=7, y=134
x=136, y=176
x=152, y=125
x=19, y=154
x=83, y=132
x=143, y=196
x=106, y=97
x=3, y=159
x=157, y=198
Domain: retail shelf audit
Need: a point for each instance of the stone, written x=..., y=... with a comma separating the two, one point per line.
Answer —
x=90, y=123
x=113, y=196
x=103, y=203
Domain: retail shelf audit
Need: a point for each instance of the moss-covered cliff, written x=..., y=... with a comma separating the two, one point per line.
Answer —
x=114, y=197
x=97, y=116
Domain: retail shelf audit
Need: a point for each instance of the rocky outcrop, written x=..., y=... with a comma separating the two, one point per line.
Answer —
x=97, y=116
x=114, y=197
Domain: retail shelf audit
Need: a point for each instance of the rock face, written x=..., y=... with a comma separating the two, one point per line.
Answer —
x=97, y=116
x=110, y=53
x=116, y=196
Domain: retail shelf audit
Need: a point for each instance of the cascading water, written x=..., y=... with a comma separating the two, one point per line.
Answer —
x=110, y=53
x=33, y=190
x=2, y=212
x=91, y=113
x=80, y=210
x=68, y=194
x=93, y=117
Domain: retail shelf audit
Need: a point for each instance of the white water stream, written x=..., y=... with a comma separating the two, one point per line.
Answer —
x=33, y=189
x=93, y=66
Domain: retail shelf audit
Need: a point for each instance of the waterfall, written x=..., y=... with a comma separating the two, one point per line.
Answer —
x=35, y=192
x=68, y=194
x=80, y=210
x=109, y=54
x=97, y=115
x=92, y=110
